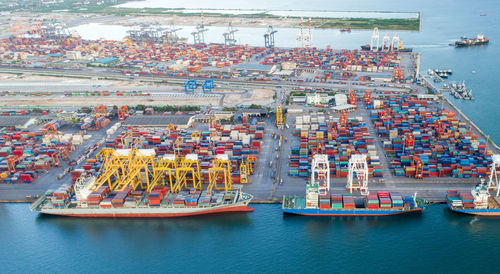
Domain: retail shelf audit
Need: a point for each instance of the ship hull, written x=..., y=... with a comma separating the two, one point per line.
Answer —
x=355, y=212
x=477, y=212
x=143, y=212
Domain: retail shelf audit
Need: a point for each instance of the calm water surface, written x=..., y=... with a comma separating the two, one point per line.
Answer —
x=262, y=241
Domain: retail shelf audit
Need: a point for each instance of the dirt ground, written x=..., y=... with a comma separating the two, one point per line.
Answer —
x=209, y=21
x=257, y=96
x=231, y=98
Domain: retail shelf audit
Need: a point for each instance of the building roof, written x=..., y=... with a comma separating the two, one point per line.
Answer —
x=343, y=107
x=14, y=121
x=254, y=67
x=157, y=120
x=253, y=111
x=106, y=60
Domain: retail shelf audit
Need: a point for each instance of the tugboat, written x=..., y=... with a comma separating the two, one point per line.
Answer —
x=466, y=42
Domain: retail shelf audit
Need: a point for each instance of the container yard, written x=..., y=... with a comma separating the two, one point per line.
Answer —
x=268, y=110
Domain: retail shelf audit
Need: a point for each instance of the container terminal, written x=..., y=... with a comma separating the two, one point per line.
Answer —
x=269, y=110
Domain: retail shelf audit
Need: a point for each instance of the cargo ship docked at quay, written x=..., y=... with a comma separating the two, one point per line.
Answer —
x=119, y=189
x=319, y=200
x=483, y=199
x=237, y=202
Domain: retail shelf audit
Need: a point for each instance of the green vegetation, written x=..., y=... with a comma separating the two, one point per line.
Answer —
x=297, y=93
x=369, y=23
x=254, y=106
x=88, y=6
x=37, y=110
x=85, y=110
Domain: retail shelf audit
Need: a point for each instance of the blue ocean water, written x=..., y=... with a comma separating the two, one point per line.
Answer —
x=259, y=242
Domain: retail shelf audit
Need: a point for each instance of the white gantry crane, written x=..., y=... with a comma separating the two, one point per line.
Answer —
x=493, y=182
x=374, y=43
x=395, y=42
x=358, y=167
x=320, y=173
x=386, y=43
x=303, y=39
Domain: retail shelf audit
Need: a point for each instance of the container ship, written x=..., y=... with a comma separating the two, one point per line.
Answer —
x=137, y=205
x=467, y=42
x=482, y=200
x=319, y=200
x=138, y=183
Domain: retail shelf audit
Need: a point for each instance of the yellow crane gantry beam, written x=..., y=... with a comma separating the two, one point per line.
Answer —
x=189, y=165
x=114, y=165
x=279, y=115
x=138, y=171
x=220, y=170
x=166, y=164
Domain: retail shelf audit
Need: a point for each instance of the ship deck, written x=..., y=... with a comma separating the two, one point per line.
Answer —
x=43, y=204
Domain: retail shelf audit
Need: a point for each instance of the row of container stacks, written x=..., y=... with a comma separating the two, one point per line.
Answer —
x=385, y=200
x=191, y=198
x=24, y=156
x=61, y=195
x=107, y=93
x=460, y=199
x=331, y=61
x=189, y=58
x=102, y=197
x=145, y=56
x=415, y=131
x=379, y=200
x=320, y=135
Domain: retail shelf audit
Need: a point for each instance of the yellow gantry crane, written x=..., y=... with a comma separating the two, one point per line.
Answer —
x=220, y=172
x=244, y=172
x=279, y=115
x=163, y=167
x=114, y=167
x=187, y=172
x=138, y=170
x=169, y=129
x=196, y=136
x=246, y=168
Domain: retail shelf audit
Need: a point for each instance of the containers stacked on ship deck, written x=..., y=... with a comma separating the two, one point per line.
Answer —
x=60, y=196
x=460, y=199
x=319, y=133
x=336, y=200
x=372, y=201
x=348, y=201
x=417, y=134
x=453, y=198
